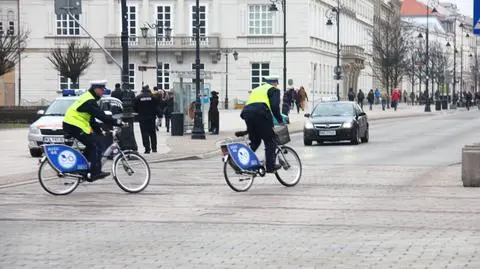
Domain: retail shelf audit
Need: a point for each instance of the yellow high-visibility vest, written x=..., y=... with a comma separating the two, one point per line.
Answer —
x=260, y=95
x=80, y=119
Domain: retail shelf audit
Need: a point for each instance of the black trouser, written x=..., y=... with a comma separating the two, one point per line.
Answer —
x=94, y=146
x=167, y=121
x=214, y=125
x=260, y=128
x=149, y=134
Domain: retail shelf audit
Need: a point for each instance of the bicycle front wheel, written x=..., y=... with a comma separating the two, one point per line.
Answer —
x=131, y=172
x=291, y=172
x=235, y=179
x=54, y=182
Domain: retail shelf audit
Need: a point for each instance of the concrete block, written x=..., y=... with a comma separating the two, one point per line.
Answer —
x=471, y=165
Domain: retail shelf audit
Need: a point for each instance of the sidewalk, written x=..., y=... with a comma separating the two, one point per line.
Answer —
x=184, y=147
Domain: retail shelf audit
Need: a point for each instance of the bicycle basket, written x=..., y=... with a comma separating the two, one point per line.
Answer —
x=282, y=134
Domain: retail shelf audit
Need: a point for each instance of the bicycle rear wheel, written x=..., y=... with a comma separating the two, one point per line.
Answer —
x=236, y=180
x=131, y=172
x=291, y=172
x=55, y=183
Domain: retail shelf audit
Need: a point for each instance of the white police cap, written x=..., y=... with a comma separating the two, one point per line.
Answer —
x=98, y=84
x=271, y=78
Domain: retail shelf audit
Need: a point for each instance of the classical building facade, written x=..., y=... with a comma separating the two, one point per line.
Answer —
x=247, y=27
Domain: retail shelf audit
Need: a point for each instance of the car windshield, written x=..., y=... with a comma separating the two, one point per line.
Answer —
x=333, y=110
x=59, y=107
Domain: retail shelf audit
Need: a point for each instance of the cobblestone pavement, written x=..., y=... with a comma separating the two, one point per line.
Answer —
x=356, y=207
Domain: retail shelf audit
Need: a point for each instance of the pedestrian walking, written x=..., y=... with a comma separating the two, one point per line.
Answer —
x=214, y=114
x=168, y=110
x=351, y=95
x=370, y=98
x=396, y=95
x=384, y=98
x=286, y=102
x=146, y=106
x=360, y=98
x=302, y=94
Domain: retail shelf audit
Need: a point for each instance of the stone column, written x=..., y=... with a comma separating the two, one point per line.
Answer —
x=180, y=17
x=145, y=13
x=111, y=17
x=216, y=18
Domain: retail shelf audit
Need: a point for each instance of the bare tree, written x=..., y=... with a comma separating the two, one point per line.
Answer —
x=11, y=46
x=71, y=62
x=390, y=44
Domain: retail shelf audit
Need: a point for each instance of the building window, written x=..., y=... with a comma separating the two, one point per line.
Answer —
x=1, y=28
x=65, y=83
x=259, y=70
x=164, y=20
x=259, y=20
x=163, y=76
x=131, y=76
x=132, y=22
x=203, y=20
x=194, y=81
x=11, y=28
x=67, y=26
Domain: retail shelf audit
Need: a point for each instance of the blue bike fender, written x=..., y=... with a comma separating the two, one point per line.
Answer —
x=65, y=159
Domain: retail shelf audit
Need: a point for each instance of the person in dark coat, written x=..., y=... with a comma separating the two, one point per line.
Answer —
x=146, y=106
x=168, y=110
x=213, y=113
x=117, y=92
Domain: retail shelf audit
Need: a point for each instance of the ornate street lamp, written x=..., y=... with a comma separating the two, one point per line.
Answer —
x=273, y=8
x=433, y=4
x=167, y=34
x=334, y=15
x=226, y=52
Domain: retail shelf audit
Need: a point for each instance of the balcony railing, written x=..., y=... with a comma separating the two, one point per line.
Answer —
x=182, y=43
x=353, y=52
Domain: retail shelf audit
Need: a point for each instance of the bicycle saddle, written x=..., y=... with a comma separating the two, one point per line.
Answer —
x=241, y=133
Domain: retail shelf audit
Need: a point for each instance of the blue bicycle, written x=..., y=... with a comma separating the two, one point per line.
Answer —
x=241, y=164
x=63, y=168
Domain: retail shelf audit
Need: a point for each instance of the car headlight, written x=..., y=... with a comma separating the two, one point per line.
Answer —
x=34, y=130
x=309, y=125
x=347, y=125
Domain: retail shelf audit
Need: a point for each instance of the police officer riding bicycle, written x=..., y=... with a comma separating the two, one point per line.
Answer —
x=79, y=122
x=262, y=105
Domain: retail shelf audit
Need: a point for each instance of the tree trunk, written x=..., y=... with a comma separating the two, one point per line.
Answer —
x=75, y=84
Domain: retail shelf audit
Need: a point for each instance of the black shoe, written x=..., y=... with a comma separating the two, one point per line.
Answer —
x=277, y=167
x=154, y=150
x=98, y=176
x=147, y=152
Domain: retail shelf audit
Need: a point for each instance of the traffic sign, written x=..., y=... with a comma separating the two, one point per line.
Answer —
x=476, y=17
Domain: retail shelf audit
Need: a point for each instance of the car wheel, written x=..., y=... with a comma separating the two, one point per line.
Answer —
x=36, y=152
x=320, y=142
x=307, y=142
x=356, y=137
x=366, y=137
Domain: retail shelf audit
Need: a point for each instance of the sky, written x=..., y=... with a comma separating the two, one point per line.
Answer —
x=465, y=6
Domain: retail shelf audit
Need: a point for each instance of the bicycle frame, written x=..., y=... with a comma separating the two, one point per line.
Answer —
x=80, y=174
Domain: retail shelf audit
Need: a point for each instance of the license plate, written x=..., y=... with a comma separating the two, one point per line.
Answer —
x=325, y=133
x=54, y=140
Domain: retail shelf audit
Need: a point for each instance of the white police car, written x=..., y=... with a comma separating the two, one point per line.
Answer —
x=48, y=128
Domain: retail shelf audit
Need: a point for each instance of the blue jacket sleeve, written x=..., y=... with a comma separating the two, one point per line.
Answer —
x=274, y=97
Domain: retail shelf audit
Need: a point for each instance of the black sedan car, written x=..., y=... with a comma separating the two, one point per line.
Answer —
x=336, y=121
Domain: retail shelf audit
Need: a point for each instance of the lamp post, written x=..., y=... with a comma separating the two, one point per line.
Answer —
x=334, y=14
x=433, y=4
x=273, y=7
x=226, y=52
x=167, y=31
x=453, y=105
x=198, y=131
x=462, y=26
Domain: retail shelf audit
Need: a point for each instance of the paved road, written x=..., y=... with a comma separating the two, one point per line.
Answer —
x=396, y=202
